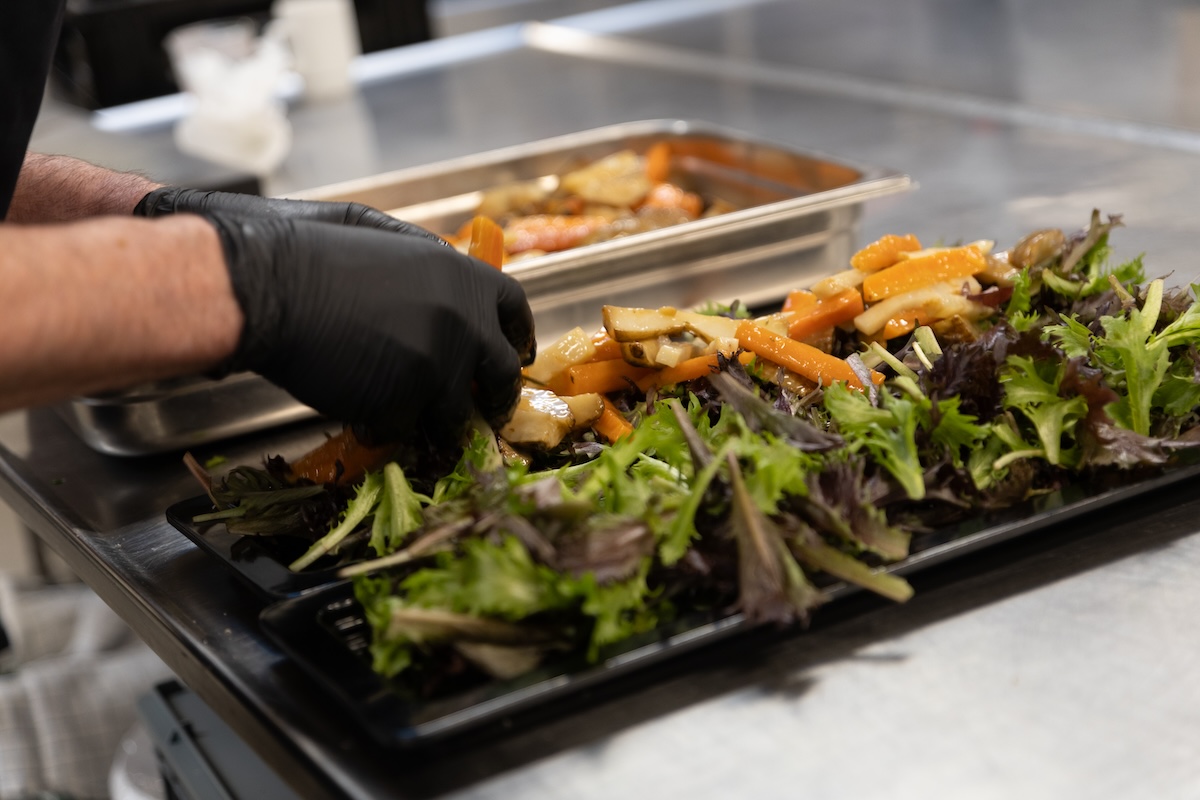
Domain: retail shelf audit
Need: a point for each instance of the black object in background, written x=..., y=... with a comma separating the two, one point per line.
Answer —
x=111, y=51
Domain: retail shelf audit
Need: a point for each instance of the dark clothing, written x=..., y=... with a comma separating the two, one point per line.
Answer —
x=28, y=33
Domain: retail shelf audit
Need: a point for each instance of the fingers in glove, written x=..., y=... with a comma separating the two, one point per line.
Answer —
x=497, y=382
x=516, y=319
x=394, y=426
x=175, y=200
x=365, y=216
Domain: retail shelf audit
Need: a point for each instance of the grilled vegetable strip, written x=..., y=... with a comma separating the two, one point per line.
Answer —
x=923, y=270
x=825, y=314
x=341, y=458
x=884, y=252
x=487, y=242
x=658, y=162
x=612, y=425
x=600, y=377
x=800, y=358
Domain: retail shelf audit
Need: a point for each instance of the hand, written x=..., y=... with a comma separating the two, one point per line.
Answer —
x=174, y=200
x=379, y=330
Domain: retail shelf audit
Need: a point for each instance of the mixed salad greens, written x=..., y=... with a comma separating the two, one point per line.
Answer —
x=747, y=486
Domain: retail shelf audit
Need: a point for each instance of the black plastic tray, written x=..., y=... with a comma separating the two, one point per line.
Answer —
x=258, y=563
x=324, y=631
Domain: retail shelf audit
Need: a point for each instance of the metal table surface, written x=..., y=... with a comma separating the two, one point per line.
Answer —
x=1057, y=666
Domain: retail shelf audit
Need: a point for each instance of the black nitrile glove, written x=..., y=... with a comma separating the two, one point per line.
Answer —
x=175, y=200
x=380, y=330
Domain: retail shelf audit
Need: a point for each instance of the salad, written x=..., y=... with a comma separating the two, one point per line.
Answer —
x=681, y=463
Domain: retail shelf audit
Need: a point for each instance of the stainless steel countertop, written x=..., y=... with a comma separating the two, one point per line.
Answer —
x=1061, y=666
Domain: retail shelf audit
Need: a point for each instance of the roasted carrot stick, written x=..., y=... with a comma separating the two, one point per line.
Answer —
x=686, y=370
x=800, y=358
x=799, y=300
x=667, y=195
x=600, y=377
x=658, y=162
x=487, y=242
x=904, y=322
x=321, y=464
x=913, y=273
x=825, y=314
x=611, y=424
x=607, y=348
x=884, y=252
x=550, y=232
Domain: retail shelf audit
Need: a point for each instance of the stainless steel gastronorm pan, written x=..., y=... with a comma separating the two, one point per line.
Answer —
x=797, y=219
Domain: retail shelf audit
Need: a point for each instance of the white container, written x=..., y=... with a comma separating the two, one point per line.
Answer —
x=323, y=37
x=233, y=75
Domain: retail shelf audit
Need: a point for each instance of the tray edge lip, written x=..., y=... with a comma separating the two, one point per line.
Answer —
x=662, y=125
x=174, y=516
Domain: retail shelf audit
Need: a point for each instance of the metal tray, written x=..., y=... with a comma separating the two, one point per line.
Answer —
x=798, y=219
x=181, y=413
x=325, y=633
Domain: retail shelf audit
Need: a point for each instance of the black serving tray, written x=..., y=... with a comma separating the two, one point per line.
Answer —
x=261, y=563
x=325, y=633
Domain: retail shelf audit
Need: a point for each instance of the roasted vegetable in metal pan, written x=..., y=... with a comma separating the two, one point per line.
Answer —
x=619, y=195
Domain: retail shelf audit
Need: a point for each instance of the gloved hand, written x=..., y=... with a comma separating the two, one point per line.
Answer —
x=377, y=329
x=176, y=200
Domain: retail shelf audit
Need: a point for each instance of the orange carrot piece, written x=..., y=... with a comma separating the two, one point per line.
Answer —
x=321, y=464
x=884, y=252
x=611, y=423
x=689, y=370
x=686, y=370
x=550, y=232
x=658, y=162
x=487, y=242
x=667, y=195
x=800, y=358
x=904, y=322
x=464, y=232
x=601, y=377
x=607, y=348
x=898, y=326
x=913, y=273
x=825, y=314
x=799, y=300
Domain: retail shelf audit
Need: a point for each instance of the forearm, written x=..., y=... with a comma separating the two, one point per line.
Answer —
x=64, y=189
x=104, y=304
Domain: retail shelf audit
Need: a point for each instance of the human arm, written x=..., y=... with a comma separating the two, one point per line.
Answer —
x=54, y=188
x=104, y=304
